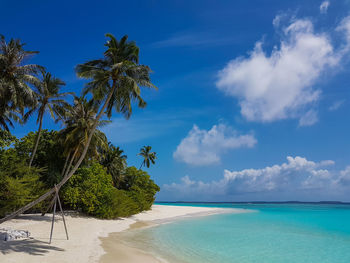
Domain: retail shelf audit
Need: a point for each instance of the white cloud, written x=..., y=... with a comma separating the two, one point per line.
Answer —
x=202, y=147
x=336, y=105
x=309, y=118
x=280, y=85
x=344, y=178
x=297, y=172
x=344, y=28
x=324, y=7
x=277, y=20
x=294, y=176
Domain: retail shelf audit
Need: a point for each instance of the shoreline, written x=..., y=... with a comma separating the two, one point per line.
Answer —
x=87, y=234
x=118, y=250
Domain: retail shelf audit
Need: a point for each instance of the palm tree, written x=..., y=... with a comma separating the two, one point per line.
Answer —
x=16, y=78
x=7, y=117
x=148, y=156
x=79, y=120
x=48, y=99
x=114, y=160
x=115, y=82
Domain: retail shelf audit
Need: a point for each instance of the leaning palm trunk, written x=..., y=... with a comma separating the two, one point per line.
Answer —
x=65, y=164
x=69, y=175
x=36, y=142
x=71, y=162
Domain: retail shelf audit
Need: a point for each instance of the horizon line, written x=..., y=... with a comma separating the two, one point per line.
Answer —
x=256, y=202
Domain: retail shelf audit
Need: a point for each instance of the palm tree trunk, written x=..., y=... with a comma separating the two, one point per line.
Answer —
x=65, y=164
x=49, y=206
x=71, y=162
x=37, y=141
x=69, y=175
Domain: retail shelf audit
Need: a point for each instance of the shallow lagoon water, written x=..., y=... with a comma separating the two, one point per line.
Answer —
x=273, y=233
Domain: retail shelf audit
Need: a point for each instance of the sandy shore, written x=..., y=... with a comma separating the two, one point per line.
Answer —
x=85, y=235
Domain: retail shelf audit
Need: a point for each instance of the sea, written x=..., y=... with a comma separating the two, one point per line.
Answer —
x=267, y=233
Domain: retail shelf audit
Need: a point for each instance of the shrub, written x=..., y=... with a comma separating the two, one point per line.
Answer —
x=140, y=188
x=49, y=154
x=19, y=184
x=6, y=139
x=91, y=190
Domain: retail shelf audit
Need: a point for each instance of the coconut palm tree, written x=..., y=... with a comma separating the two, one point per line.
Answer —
x=7, y=117
x=48, y=100
x=79, y=120
x=16, y=77
x=114, y=160
x=115, y=82
x=148, y=156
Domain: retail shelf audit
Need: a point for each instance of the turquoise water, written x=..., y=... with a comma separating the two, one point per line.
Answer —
x=274, y=233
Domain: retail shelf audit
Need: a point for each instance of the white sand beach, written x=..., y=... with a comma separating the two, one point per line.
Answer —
x=85, y=235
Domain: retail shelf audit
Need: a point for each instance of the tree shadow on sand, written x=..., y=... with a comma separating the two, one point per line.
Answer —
x=29, y=246
x=35, y=217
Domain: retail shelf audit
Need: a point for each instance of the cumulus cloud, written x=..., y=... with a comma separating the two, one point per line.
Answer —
x=297, y=174
x=344, y=178
x=324, y=7
x=280, y=85
x=202, y=147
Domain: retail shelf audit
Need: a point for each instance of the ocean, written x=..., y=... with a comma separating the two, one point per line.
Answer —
x=269, y=233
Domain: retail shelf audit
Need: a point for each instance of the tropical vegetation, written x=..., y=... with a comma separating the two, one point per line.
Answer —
x=148, y=156
x=90, y=173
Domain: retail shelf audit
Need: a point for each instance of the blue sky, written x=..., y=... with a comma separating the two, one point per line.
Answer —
x=253, y=97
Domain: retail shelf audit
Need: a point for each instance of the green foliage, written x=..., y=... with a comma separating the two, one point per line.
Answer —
x=16, y=77
x=48, y=100
x=19, y=184
x=140, y=188
x=106, y=190
x=115, y=82
x=148, y=156
x=114, y=159
x=79, y=120
x=91, y=191
x=49, y=154
x=6, y=139
x=118, y=74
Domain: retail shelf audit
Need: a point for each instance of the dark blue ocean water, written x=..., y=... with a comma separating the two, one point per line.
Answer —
x=272, y=233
